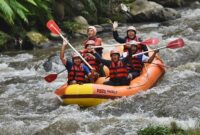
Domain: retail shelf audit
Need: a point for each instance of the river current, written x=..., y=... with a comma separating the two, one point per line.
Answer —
x=29, y=106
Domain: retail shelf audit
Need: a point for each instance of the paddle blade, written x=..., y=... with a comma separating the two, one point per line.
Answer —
x=151, y=41
x=53, y=27
x=50, y=78
x=178, y=43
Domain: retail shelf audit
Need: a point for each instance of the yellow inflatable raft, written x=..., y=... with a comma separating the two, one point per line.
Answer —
x=94, y=94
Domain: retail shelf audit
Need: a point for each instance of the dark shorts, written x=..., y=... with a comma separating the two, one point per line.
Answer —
x=135, y=74
x=117, y=83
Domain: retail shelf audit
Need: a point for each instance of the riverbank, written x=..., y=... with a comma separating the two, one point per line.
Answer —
x=74, y=17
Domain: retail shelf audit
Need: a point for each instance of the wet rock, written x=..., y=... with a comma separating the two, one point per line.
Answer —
x=83, y=23
x=48, y=64
x=35, y=39
x=64, y=126
x=81, y=20
x=107, y=27
x=143, y=10
x=195, y=5
x=99, y=28
x=170, y=3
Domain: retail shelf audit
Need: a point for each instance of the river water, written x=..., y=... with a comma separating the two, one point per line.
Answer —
x=29, y=106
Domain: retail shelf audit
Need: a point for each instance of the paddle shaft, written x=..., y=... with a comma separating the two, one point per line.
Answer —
x=61, y=71
x=111, y=45
x=144, y=42
x=106, y=46
x=73, y=48
x=162, y=47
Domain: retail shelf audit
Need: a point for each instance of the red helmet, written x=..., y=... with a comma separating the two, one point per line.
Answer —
x=90, y=42
x=114, y=52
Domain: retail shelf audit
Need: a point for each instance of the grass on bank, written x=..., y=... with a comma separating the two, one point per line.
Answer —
x=172, y=130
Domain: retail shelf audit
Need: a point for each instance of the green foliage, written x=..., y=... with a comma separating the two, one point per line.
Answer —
x=173, y=130
x=39, y=11
x=151, y=130
x=4, y=38
x=72, y=26
x=193, y=132
x=104, y=20
x=18, y=11
x=176, y=129
x=10, y=10
x=128, y=1
x=90, y=11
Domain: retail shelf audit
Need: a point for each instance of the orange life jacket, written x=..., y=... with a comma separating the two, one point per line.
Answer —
x=118, y=70
x=77, y=73
x=135, y=64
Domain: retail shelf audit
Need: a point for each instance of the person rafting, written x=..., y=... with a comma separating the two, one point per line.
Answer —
x=130, y=36
x=117, y=67
x=90, y=58
x=91, y=33
x=77, y=71
x=136, y=63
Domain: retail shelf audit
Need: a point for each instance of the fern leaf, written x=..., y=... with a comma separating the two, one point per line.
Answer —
x=6, y=12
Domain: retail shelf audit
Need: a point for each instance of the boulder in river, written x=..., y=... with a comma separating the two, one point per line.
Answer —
x=143, y=10
x=35, y=39
x=170, y=3
x=83, y=23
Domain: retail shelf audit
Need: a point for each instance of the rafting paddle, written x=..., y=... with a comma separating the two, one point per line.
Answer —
x=53, y=27
x=178, y=43
x=51, y=77
x=151, y=41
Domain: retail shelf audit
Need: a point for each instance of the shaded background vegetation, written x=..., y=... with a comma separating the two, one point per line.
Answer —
x=18, y=16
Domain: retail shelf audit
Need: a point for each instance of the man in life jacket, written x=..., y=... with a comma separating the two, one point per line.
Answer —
x=136, y=63
x=77, y=71
x=91, y=33
x=117, y=68
x=130, y=36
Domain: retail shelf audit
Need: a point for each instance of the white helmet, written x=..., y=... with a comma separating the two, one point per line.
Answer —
x=93, y=28
x=133, y=42
x=131, y=28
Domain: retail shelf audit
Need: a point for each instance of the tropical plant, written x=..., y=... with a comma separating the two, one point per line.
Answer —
x=10, y=10
x=15, y=11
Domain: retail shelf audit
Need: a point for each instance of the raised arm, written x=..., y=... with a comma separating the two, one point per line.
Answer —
x=99, y=58
x=153, y=56
x=115, y=34
x=62, y=53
